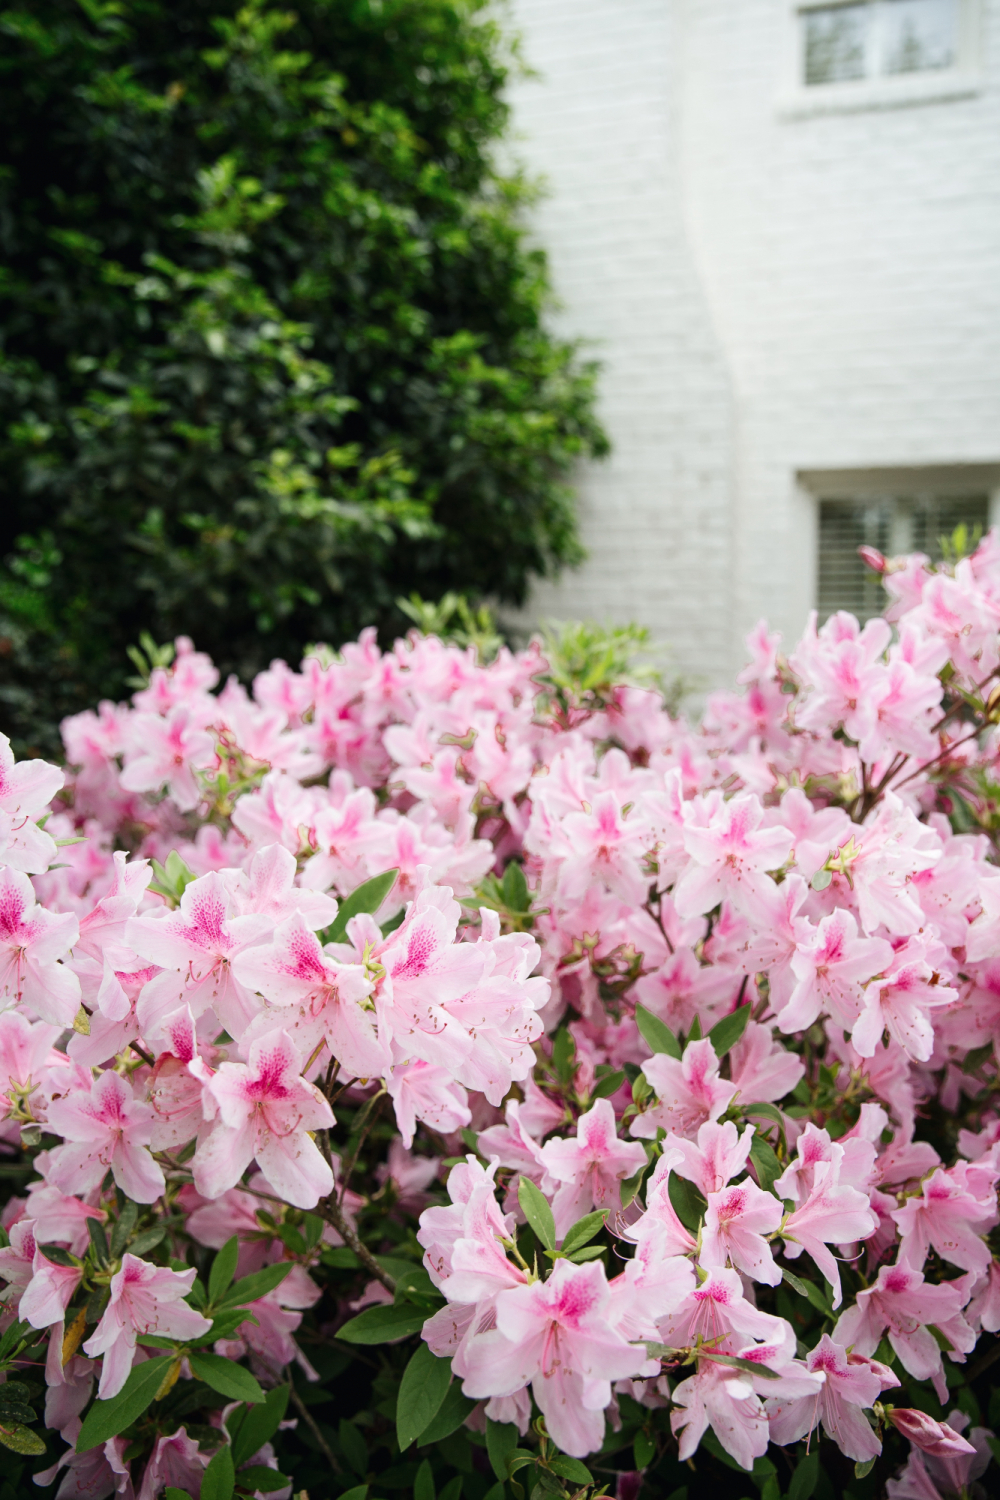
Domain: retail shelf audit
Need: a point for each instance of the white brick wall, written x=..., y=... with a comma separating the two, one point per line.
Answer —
x=768, y=294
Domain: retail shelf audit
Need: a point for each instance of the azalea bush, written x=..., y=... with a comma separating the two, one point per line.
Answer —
x=456, y=1078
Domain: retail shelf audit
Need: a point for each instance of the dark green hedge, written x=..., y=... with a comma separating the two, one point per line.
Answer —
x=272, y=342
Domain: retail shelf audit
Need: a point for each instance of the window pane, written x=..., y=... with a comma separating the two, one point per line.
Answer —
x=917, y=35
x=913, y=523
x=835, y=42
x=844, y=581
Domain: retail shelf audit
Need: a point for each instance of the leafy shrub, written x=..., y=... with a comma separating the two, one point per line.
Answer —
x=272, y=341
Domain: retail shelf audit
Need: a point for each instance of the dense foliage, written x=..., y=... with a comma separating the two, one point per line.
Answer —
x=468, y=1079
x=271, y=339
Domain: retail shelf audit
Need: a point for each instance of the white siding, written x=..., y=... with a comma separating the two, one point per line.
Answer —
x=769, y=292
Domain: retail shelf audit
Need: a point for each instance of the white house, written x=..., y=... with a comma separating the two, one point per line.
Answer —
x=778, y=224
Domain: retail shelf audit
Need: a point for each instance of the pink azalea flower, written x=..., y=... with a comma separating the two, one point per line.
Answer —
x=949, y=1219
x=833, y=1212
x=716, y=1309
x=195, y=947
x=321, y=999
x=175, y=1461
x=690, y=1091
x=724, y=1400
x=900, y=1003
x=49, y=1292
x=762, y=1069
x=17, y=1261
x=32, y=940
x=735, y=1222
x=606, y=845
x=166, y=752
x=941, y=1468
x=902, y=1304
x=556, y=1335
x=851, y=1384
x=682, y=988
x=26, y=789
x=266, y=1110
x=729, y=854
x=24, y=1052
x=420, y=1091
x=832, y=969
x=591, y=1168
x=935, y=1438
x=719, y=1156
x=108, y=1129
x=144, y=1299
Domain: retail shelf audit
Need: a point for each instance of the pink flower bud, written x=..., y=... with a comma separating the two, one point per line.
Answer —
x=873, y=557
x=935, y=1438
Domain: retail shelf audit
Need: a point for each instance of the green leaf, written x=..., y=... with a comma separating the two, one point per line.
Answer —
x=608, y=1085
x=353, y=1446
x=643, y=1449
x=501, y=1441
x=261, y=1477
x=589, y=1252
x=219, y=1479
x=765, y=1161
x=106, y=1419
x=749, y=1366
x=377, y=1325
x=570, y=1468
x=225, y=1376
x=657, y=1036
x=689, y=1205
x=57, y=1255
x=808, y=1290
x=422, y=1391
x=766, y=1112
x=806, y=1476
x=359, y=1492
x=148, y=1240
x=172, y=1493
x=727, y=1032
x=423, y=1485
x=223, y=1269
x=515, y=888
x=863, y=1469
x=364, y=898
x=583, y=1231
x=453, y=1411
x=471, y=1139
x=340, y=1258
x=122, y=1231
x=535, y=1207
x=21, y=1439
x=255, y=1286
x=564, y=1055
x=253, y=1426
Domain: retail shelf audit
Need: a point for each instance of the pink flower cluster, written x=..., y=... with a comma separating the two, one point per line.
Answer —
x=757, y=954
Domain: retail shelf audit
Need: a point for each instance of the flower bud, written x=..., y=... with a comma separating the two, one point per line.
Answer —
x=935, y=1438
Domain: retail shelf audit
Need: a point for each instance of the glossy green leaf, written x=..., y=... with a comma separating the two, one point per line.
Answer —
x=377, y=1325
x=535, y=1207
x=453, y=1411
x=727, y=1032
x=225, y=1376
x=423, y=1485
x=250, y=1288
x=583, y=1231
x=422, y=1391
x=261, y=1477
x=688, y=1204
x=223, y=1269
x=766, y=1163
x=657, y=1036
x=365, y=898
x=106, y=1419
x=806, y=1477
x=21, y=1439
x=252, y=1426
x=219, y=1479
x=608, y=1085
x=501, y=1441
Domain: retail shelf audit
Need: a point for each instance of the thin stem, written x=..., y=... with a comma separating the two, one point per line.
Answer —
x=367, y=1121
x=147, y=1057
x=330, y=1210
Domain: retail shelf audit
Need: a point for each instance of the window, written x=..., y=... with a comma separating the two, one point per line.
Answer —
x=893, y=525
x=877, y=38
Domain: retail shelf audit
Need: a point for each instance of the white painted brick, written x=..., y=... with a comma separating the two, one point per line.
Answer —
x=767, y=294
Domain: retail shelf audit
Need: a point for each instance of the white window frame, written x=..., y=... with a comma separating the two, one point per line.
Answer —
x=887, y=91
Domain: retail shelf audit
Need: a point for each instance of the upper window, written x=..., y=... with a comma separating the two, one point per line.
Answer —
x=877, y=38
